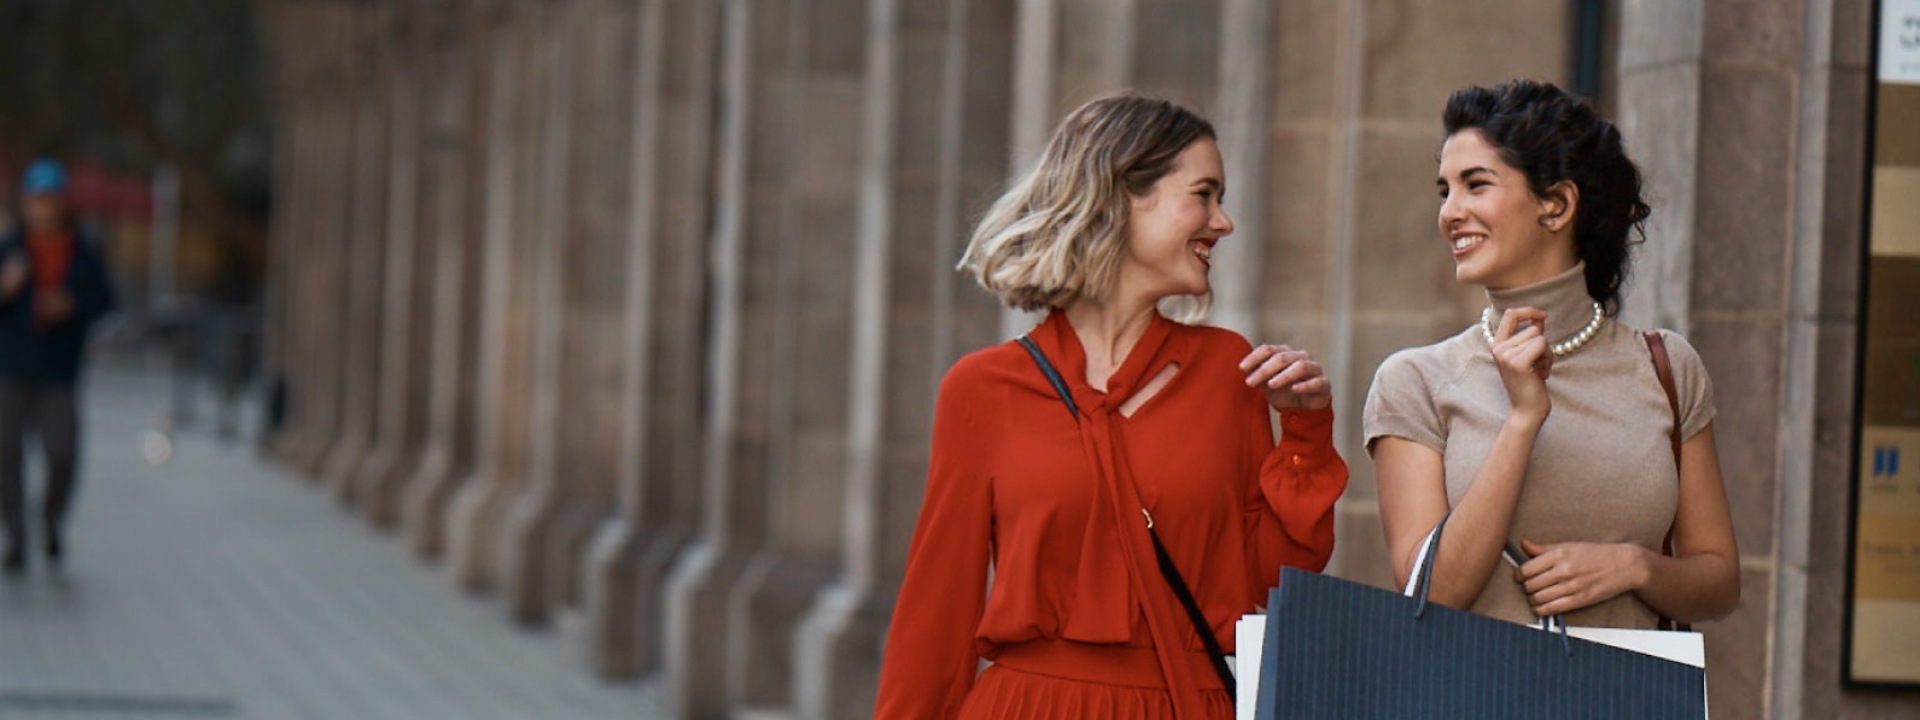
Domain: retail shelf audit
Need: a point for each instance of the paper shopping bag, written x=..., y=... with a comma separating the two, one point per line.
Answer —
x=1335, y=648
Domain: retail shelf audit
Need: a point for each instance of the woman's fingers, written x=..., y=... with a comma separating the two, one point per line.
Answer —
x=1315, y=386
x=1547, y=595
x=1565, y=604
x=1260, y=355
x=1273, y=366
x=1511, y=319
x=1297, y=370
x=1291, y=377
x=1526, y=351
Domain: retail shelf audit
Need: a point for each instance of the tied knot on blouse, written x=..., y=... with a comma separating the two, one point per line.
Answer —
x=1116, y=501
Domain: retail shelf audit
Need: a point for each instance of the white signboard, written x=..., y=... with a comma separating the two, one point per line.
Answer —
x=1900, y=41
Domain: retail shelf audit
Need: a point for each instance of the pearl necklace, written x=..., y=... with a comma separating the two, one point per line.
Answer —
x=1559, y=349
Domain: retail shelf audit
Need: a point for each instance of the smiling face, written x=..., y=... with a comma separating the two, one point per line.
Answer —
x=1502, y=235
x=1172, y=229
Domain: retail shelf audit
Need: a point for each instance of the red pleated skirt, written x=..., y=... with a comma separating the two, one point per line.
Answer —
x=1056, y=680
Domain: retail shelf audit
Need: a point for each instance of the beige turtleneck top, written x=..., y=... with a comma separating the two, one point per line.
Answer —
x=1602, y=469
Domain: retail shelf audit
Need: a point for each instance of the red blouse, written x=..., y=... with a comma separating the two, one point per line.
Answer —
x=1054, y=507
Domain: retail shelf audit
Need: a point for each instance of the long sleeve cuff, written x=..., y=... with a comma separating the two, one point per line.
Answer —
x=1306, y=437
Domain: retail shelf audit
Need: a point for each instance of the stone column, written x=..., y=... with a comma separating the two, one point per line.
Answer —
x=571, y=482
x=456, y=152
x=552, y=98
x=937, y=75
x=291, y=78
x=1242, y=116
x=365, y=237
x=1743, y=214
x=1823, y=317
x=746, y=308
x=314, y=393
x=293, y=89
x=810, y=374
x=511, y=257
x=1730, y=79
x=1659, y=116
x=660, y=464
x=405, y=319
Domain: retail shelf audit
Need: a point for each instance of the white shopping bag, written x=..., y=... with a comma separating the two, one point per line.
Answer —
x=1249, y=637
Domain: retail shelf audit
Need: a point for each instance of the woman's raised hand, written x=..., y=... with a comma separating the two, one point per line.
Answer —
x=1291, y=378
x=1524, y=362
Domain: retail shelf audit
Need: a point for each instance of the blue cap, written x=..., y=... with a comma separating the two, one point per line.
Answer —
x=44, y=176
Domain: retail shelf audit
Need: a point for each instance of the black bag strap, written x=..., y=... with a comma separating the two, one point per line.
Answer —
x=1214, y=652
x=1053, y=376
x=1167, y=568
x=1423, y=578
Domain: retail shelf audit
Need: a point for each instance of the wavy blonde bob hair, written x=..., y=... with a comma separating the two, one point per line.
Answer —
x=1058, y=233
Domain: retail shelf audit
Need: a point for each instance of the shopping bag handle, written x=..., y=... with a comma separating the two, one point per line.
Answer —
x=1422, y=581
x=1423, y=565
x=1519, y=557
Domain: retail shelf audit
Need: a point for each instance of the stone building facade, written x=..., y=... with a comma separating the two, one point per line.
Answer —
x=634, y=310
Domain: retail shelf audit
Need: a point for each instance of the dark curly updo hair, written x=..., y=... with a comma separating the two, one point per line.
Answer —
x=1551, y=135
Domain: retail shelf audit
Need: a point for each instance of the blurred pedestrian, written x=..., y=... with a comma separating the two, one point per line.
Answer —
x=53, y=286
x=1115, y=469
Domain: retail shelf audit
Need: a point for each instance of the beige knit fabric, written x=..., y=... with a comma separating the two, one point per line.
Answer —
x=1602, y=469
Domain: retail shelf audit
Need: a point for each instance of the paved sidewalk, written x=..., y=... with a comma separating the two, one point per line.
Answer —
x=219, y=586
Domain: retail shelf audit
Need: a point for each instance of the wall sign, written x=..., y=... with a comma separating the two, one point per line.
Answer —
x=1884, y=584
x=1900, y=41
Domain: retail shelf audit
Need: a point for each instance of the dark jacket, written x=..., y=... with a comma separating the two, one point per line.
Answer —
x=51, y=354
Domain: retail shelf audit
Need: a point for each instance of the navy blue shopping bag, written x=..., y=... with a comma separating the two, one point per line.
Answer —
x=1339, y=649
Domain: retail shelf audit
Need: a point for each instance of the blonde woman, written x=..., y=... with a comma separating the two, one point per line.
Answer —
x=1163, y=438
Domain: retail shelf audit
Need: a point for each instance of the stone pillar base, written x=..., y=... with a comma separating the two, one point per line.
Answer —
x=530, y=523
x=626, y=575
x=281, y=447
x=423, y=507
x=836, y=656
x=308, y=456
x=697, y=631
x=338, y=473
x=473, y=545
x=765, y=609
x=378, y=486
x=569, y=545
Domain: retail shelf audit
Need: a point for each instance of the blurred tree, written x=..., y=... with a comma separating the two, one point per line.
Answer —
x=135, y=83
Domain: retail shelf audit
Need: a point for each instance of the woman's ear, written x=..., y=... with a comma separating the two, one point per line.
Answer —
x=1559, y=204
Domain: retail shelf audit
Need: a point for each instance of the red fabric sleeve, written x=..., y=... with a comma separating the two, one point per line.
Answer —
x=930, y=659
x=1291, y=509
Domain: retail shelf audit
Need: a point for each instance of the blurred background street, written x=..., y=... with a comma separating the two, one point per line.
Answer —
x=216, y=585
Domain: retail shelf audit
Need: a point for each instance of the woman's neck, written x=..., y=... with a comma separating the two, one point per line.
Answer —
x=1107, y=332
x=1563, y=296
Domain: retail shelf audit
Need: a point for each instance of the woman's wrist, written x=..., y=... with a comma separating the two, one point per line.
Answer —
x=1525, y=423
x=1639, y=567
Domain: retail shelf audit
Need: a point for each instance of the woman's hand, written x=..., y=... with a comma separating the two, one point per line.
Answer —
x=1565, y=577
x=1292, y=379
x=1524, y=363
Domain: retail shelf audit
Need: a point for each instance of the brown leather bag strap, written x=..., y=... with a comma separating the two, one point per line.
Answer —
x=1664, y=368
